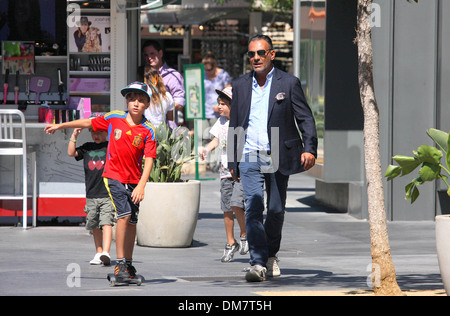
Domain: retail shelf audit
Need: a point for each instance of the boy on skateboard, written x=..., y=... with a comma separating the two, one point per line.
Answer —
x=131, y=138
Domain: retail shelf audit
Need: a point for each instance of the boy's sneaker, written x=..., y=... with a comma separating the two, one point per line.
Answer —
x=131, y=270
x=121, y=270
x=243, y=249
x=96, y=260
x=229, y=251
x=256, y=273
x=105, y=258
x=273, y=270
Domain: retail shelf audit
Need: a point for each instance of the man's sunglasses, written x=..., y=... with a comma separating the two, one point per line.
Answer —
x=261, y=53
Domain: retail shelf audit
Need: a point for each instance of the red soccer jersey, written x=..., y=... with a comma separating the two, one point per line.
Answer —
x=127, y=146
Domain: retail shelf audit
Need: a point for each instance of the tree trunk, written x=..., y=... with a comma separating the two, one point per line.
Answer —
x=383, y=271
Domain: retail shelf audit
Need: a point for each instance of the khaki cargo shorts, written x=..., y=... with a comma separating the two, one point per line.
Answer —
x=99, y=212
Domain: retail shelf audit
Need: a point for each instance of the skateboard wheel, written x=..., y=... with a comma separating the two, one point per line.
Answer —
x=140, y=280
x=112, y=280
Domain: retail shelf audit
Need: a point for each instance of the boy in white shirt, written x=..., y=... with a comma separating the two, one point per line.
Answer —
x=232, y=197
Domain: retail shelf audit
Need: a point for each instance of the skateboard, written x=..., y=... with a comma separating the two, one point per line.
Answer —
x=115, y=280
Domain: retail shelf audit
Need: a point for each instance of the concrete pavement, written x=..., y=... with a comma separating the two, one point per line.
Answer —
x=321, y=252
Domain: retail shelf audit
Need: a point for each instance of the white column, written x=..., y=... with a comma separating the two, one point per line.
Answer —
x=119, y=40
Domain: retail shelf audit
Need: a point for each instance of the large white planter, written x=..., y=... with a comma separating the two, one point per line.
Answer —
x=168, y=214
x=443, y=248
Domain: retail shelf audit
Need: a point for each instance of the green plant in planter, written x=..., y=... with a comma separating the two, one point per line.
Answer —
x=173, y=150
x=429, y=160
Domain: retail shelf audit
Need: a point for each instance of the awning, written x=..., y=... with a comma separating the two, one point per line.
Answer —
x=196, y=12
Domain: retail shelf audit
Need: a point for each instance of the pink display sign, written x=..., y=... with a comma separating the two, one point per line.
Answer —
x=84, y=106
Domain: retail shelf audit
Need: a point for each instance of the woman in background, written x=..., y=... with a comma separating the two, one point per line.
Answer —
x=161, y=103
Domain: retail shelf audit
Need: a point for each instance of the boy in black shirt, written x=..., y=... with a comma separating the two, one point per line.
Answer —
x=99, y=208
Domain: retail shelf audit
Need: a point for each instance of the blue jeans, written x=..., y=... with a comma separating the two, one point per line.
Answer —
x=263, y=237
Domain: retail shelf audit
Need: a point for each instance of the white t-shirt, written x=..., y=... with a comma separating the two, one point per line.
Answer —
x=153, y=113
x=220, y=130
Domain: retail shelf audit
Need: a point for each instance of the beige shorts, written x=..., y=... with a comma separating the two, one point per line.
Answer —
x=99, y=212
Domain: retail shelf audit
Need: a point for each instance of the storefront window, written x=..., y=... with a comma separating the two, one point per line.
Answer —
x=40, y=21
x=312, y=61
x=312, y=57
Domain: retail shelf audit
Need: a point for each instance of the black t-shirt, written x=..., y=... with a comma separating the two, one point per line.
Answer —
x=94, y=157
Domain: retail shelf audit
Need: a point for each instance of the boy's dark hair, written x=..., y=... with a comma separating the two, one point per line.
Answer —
x=224, y=99
x=137, y=92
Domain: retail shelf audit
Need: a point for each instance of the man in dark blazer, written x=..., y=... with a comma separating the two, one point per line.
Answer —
x=264, y=147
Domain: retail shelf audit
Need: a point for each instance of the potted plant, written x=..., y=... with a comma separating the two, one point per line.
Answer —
x=169, y=211
x=428, y=160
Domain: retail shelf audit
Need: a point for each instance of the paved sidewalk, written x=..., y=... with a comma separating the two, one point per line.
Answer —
x=321, y=252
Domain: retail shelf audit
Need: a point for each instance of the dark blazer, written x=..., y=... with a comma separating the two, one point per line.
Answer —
x=287, y=106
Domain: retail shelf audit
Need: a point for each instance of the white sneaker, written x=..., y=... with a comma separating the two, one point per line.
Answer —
x=229, y=251
x=256, y=273
x=96, y=259
x=273, y=270
x=105, y=258
x=243, y=245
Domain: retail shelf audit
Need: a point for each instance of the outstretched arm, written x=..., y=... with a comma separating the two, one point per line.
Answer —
x=82, y=123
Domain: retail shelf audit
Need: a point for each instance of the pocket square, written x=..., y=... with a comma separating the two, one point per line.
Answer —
x=280, y=96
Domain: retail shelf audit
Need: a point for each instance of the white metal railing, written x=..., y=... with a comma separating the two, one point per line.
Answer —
x=13, y=143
